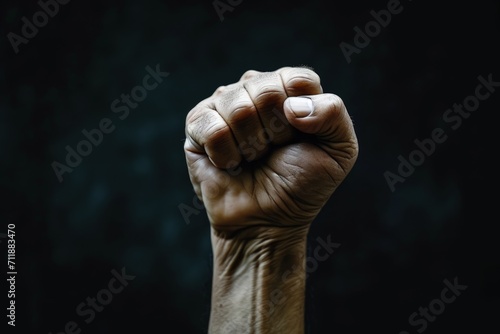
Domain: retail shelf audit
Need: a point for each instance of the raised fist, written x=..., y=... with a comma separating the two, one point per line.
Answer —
x=269, y=149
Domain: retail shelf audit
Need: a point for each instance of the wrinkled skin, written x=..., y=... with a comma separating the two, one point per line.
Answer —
x=249, y=160
x=264, y=155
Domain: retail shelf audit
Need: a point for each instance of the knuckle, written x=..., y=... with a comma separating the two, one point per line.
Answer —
x=267, y=93
x=307, y=74
x=225, y=94
x=198, y=109
x=191, y=116
x=266, y=88
x=217, y=135
x=219, y=90
x=335, y=101
x=192, y=127
x=284, y=68
x=249, y=74
x=302, y=78
x=241, y=112
x=269, y=98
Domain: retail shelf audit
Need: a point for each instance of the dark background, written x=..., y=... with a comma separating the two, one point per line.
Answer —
x=120, y=206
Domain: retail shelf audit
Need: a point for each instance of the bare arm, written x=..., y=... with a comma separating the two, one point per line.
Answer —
x=259, y=281
x=264, y=155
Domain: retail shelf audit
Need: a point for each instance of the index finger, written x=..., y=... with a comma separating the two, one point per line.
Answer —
x=299, y=81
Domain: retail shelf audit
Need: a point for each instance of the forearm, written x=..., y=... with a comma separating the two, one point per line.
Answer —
x=258, y=280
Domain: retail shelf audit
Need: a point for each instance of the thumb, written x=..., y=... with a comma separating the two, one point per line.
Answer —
x=326, y=117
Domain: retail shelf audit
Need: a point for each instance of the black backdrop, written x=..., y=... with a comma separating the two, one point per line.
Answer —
x=119, y=207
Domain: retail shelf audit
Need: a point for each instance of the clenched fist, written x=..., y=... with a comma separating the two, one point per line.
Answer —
x=264, y=155
x=269, y=149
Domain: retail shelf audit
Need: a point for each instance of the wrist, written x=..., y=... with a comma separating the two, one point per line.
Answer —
x=259, y=280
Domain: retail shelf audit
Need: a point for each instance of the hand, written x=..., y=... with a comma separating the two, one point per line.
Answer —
x=258, y=154
x=264, y=155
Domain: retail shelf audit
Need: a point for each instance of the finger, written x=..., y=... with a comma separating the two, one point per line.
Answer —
x=237, y=109
x=326, y=117
x=267, y=93
x=299, y=81
x=208, y=134
x=246, y=76
x=249, y=75
x=221, y=89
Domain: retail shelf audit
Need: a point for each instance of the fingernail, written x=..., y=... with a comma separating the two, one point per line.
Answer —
x=301, y=106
